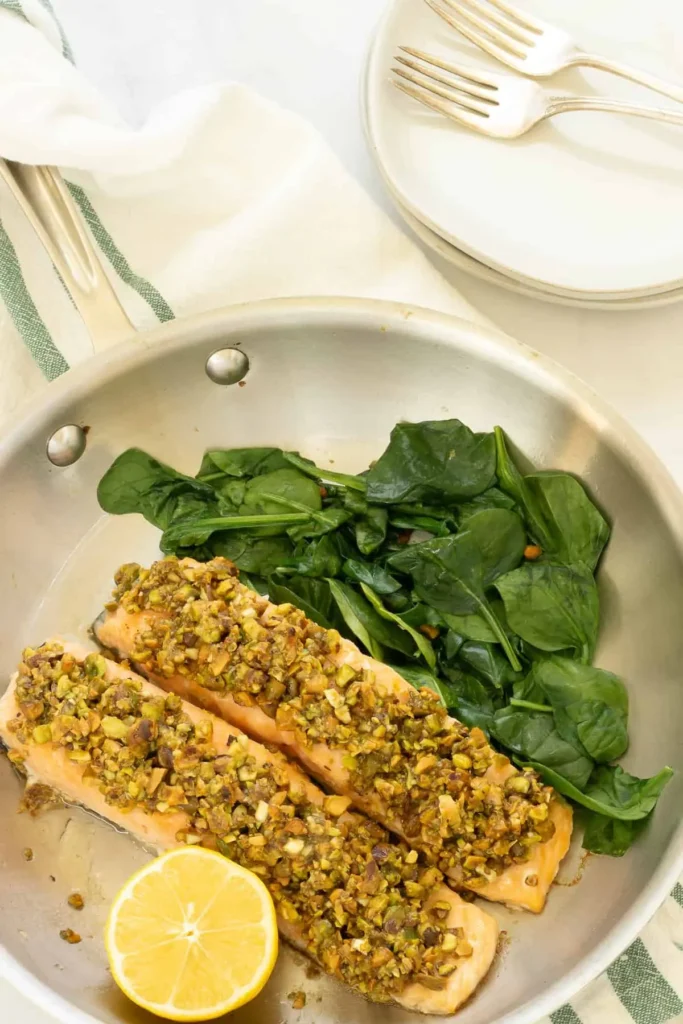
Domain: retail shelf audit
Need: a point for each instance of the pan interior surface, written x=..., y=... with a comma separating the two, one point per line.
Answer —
x=330, y=382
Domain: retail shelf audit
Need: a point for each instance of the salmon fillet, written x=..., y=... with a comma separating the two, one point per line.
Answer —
x=354, y=900
x=353, y=722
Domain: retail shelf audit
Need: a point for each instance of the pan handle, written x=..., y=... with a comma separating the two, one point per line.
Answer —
x=44, y=198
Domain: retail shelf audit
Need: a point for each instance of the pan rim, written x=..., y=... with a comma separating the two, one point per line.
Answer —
x=431, y=327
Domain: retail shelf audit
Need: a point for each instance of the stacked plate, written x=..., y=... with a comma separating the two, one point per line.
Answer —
x=587, y=209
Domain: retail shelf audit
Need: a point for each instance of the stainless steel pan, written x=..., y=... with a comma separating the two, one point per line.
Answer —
x=329, y=377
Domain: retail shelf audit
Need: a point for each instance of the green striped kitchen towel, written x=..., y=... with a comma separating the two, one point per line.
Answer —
x=221, y=197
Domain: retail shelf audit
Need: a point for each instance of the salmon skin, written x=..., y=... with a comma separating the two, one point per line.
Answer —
x=356, y=901
x=354, y=723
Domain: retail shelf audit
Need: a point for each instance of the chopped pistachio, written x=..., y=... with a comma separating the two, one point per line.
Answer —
x=345, y=674
x=293, y=847
x=95, y=665
x=261, y=812
x=334, y=697
x=79, y=756
x=114, y=728
x=336, y=805
x=462, y=761
x=42, y=734
x=64, y=686
x=518, y=784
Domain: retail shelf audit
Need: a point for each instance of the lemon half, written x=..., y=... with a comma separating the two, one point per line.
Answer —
x=192, y=935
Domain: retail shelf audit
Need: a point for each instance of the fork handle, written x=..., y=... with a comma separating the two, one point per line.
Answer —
x=674, y=92
x=566, y=104
x=45, y=200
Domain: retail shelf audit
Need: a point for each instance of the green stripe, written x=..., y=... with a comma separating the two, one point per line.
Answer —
x=24, y=314
x=16, y=297
x=66, y=49
x=678, y=894
x=144, y=288
x=645, y=992
x=565, y=1015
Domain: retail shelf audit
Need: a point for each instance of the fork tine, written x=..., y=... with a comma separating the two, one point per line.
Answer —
x=525, y=20
x=460, y=117
x=428, y=72
x=477, y=76
x=452, y=94
x=482, y=24
x=489, y=15
x=502, y=52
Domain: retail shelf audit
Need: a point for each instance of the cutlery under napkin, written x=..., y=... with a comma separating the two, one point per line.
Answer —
x=219, y=197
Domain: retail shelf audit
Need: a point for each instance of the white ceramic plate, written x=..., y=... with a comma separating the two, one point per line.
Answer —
x=531, y=289
x=471, y=266
x=589, y=204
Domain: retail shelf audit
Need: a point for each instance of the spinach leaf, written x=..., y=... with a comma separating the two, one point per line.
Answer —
x=269, y=493
x=590, y=705
x=312, y=596
x=437, y=527
x=327, y=521
x=371, y=530
x=355, y=502
x=560, y=516
x=197, y=531
x=533, y=736
x=445, y=515
x=452, y=574
x=432, y=461
x=451, y=646
x=220, y=465
x=552, y=607
x=398, y=601
x=509, y=477
x=372, y=630
x=319, y=558
x=372, y=574
x=136, y=482
x=325, y=476
x=611, y=791
x=256, y=583
x=259, y=555
x=611, y=836
x=493, y=497
x=470, y=701
x=420, y=614
x=421, y=642
x=473, y=627
x=578, y=530
x=486, y=661
x=499, y=536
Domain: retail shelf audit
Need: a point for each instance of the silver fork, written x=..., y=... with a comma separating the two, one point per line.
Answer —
x=502, y=106
x=531, y=46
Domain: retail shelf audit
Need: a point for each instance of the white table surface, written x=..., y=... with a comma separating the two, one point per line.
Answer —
x=307, y=55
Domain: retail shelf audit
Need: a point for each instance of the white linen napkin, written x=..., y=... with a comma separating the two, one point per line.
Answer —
x=220, y=197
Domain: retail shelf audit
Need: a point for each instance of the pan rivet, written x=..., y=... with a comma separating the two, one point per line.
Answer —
x=227, y=366
x=66, y=445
